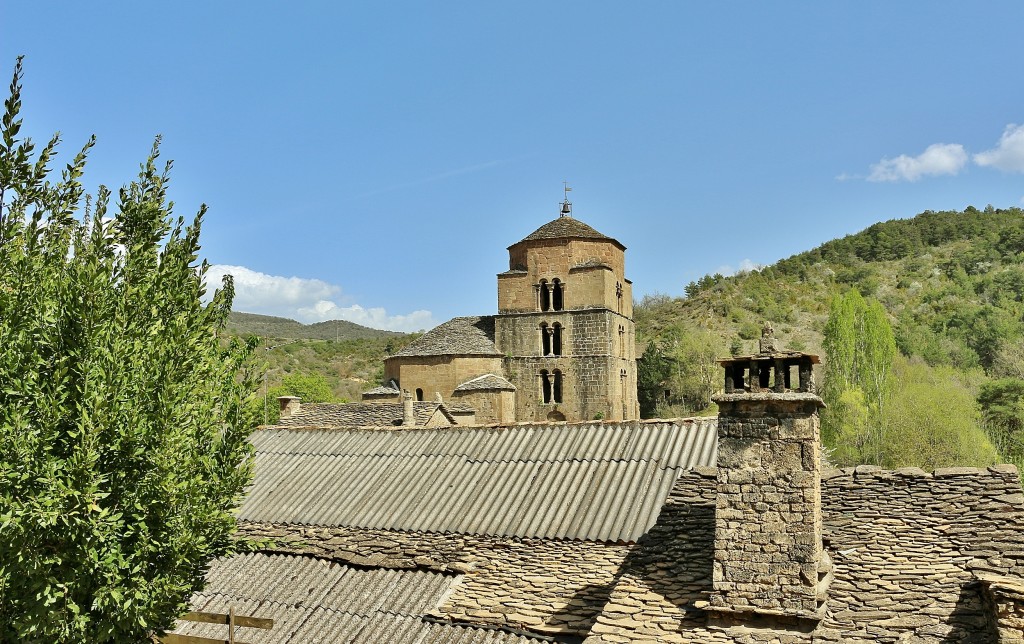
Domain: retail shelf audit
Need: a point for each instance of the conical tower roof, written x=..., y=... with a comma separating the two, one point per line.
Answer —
x=566, y=227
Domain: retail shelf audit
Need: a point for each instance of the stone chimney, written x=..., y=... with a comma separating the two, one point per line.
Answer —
x=769, y=559
x=290, y=405
x=408, y=415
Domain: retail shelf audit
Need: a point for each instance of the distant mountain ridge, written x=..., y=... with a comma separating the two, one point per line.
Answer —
x=270, y=326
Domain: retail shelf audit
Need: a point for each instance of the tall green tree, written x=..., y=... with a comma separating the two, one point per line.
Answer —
x=860, y=350
x=123, y=435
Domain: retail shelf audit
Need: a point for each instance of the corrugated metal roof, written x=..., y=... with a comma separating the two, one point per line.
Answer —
x=595, y=481
x=315, y=601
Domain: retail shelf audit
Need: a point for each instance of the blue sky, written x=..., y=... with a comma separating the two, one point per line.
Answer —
x=372, y=161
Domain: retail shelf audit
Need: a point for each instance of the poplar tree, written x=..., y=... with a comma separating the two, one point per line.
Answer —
x=860, y=350
x=123, y=434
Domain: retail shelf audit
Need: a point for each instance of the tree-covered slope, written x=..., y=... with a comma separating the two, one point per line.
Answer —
x=952, y=283
x=268, y=326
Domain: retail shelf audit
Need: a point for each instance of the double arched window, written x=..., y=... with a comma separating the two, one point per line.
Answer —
x=551, y=295
x=550, y=339
x=551, y=386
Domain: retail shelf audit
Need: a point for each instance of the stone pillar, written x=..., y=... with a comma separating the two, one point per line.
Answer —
x=768, y=551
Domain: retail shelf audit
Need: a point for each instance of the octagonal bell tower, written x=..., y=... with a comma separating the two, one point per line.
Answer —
x=565, y=324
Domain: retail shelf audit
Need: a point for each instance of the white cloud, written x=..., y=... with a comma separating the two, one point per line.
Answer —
x=938, y=158
x=308, y=300
x=746, y=266
x=1008, y=155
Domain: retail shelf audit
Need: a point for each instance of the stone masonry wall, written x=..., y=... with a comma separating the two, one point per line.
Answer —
x=438, y=374
x=593, y=357
x=768, y=552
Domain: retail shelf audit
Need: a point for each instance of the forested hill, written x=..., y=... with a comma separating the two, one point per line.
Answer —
x=951, y=281
x=952, y=286
x=268, y=326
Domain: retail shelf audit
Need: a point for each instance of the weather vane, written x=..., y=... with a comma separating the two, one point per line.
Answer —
x=566, y=204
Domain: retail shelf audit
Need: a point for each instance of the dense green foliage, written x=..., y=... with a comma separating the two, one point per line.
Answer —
x=310, y=387
x=951, y=285
x=123, y=436
x=858, y=383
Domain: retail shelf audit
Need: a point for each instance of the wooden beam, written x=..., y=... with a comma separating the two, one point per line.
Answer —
x=220, y=618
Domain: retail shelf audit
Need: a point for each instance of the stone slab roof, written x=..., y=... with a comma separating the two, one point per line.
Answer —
x=488, y=381
x=594, y=481
x=566, y=228
x=360, y=414
x=316, y=601
x=382, y=391
x=459, y=336
x=910, y=551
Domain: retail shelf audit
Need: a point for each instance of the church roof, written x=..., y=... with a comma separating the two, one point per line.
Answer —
x=472, y=335
x=594, y=481
x=488, y=381
x=566, y=227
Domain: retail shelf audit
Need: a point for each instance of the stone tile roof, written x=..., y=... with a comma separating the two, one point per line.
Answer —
x=909, y=549
x=564, y=227
x=459, y=336
x=382, y=391
x=318, y=601
x=595, y=481
x=488, y=381
x=361, y=414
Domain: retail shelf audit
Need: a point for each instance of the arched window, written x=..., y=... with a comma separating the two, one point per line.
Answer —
x=545, y=296
x=556, y=339
x=545, y=339
x=556, y=294
x=419, y=395
x=545, y=386
x=557, y=389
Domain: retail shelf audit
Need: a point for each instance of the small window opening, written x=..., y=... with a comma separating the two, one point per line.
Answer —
x=558, y=386
x=545, y=386
x=556, y=295
x=545, y=296
x=545, y=339
x=556, y=340
x=419, y=395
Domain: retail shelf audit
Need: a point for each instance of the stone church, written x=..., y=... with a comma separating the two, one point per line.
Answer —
x=561, y=347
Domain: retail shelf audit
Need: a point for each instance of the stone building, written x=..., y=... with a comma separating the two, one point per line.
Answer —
x=561, y=346
x=708, y=530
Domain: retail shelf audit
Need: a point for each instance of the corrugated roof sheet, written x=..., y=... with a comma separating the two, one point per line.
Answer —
x=472, y=335
x=316, y=601
x=595, y=481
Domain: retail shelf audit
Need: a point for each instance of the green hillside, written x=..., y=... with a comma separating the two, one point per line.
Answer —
x=268, y=326
x=951, y=281
x=952, y=286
